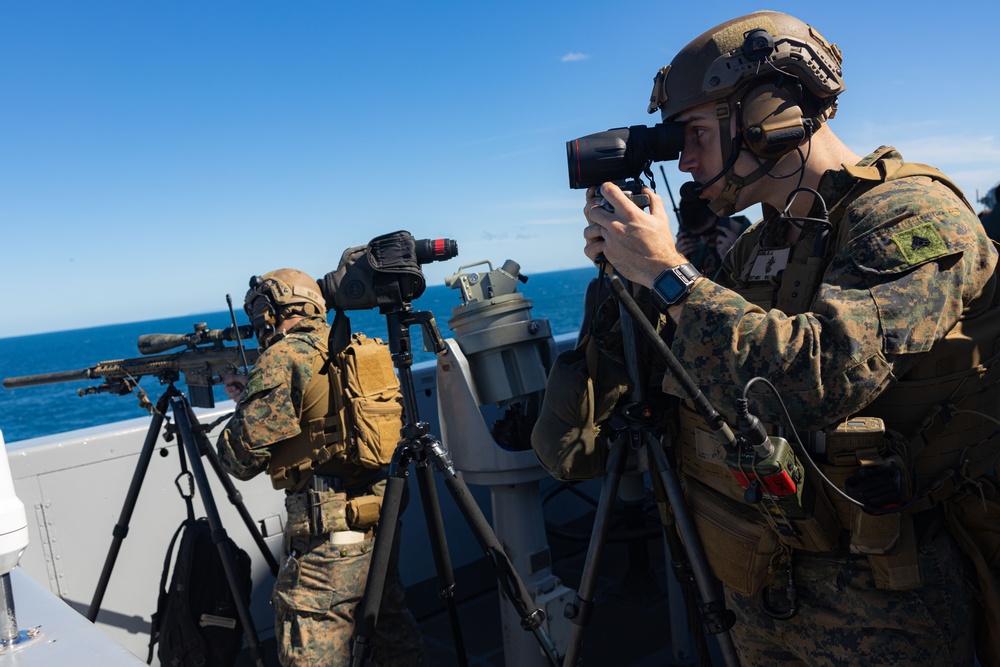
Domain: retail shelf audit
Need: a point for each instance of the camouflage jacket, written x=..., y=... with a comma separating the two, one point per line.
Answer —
x=882, y=300
x=270, y=408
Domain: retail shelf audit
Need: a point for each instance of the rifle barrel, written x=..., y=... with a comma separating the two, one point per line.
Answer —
x=48, y=378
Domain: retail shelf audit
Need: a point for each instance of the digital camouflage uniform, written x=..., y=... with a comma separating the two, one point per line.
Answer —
x=908, y=263
x=320, y=583
x=915, y=256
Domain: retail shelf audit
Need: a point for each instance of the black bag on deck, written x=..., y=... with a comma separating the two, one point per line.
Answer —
x=196, y=621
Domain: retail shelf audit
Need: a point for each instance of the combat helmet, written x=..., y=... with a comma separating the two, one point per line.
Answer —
x=775, y=74
x=278, y=295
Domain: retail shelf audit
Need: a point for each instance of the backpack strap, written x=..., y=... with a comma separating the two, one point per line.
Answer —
x=161, y=600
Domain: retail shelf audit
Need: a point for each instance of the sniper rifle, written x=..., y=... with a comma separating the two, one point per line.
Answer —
x=202, y=364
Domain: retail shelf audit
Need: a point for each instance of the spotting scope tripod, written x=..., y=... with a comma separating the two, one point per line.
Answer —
x=194, y=444
x=420, y=447
x=638, y=439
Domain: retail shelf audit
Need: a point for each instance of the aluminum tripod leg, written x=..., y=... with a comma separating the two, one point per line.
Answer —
x=186, y=434
x=366, y=617
x=236, y=498
x=511, y=586
x=362, y=649
x=582, y=606
x=715, y=618
x=120, y=530
x=442, y=558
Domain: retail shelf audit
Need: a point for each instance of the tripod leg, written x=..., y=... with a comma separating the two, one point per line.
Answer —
x=442, y=559
x=367, y=613
x=715, y=618
x=511, y=585
x=120, y=530
x=186, y=434
x=584, y=603
x=681, y=588
x=236, y=498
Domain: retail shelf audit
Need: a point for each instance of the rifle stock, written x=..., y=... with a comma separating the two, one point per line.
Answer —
x=200, y=366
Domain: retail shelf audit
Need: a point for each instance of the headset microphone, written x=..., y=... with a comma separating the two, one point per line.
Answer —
x=691, y=190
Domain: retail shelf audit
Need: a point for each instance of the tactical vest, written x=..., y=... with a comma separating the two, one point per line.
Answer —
x=940, y=417
x=351, y=416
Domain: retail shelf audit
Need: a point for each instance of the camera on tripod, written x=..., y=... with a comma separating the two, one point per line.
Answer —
x=384, y=274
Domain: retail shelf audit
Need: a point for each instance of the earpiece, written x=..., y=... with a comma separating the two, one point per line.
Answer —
x=769, y=115
x=771, y=120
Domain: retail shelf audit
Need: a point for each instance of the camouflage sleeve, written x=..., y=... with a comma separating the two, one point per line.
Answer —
x=916, y=256
x=268, y=412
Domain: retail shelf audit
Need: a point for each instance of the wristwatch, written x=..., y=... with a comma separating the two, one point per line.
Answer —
x=673, y=285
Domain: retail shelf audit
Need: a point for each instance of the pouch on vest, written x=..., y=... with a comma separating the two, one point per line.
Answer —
x=739, y=545
x=372, y=410
x=312, y=513
x=702, y=456
x=973, y=518
x=567, y=436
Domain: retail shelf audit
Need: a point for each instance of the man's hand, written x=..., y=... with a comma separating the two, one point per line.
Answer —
x=235, y=383
x=638, y=244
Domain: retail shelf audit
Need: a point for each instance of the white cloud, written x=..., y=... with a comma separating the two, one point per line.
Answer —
x=573, y=57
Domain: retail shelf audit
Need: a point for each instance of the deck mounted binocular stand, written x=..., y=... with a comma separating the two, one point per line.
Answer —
x=639, y=439
x=193, y=444
x=426, y=451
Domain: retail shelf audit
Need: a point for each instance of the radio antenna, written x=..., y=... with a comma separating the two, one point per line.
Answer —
x=239, y=340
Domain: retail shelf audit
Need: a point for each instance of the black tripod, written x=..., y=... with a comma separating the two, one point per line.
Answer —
x=193, y=441
x=425, y=450
x=639, y=438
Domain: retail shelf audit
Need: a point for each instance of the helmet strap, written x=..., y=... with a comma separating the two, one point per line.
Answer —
x=725, y=203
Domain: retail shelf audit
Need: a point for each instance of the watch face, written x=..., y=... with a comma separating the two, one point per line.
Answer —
x=670, y=287
x=674, y=284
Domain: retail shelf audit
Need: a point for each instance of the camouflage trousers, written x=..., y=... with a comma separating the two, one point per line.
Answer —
x=315, y=597
x=844, y=620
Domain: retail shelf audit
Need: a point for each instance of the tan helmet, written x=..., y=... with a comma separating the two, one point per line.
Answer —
x=724, y=59
x=278, y=295
x=772, y=73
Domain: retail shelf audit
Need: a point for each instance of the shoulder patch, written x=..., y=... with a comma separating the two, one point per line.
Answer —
x=920, y=244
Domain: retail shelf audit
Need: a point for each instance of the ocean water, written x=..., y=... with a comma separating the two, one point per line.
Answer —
x=29, y=412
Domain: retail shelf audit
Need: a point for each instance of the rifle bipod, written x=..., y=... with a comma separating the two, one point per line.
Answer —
x=194, y=444
x=418, y=446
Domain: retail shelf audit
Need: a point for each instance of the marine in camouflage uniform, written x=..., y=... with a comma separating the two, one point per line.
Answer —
x=322, y=577
x=885, y=305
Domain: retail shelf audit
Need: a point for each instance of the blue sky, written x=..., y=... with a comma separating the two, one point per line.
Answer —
x=156, y=154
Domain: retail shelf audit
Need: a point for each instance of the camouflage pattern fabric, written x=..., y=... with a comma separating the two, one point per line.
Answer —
x=914, y=256
x=844, y=621
x=315, y=597
x=269, y=410
x=875, y=309
x=320, y=584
